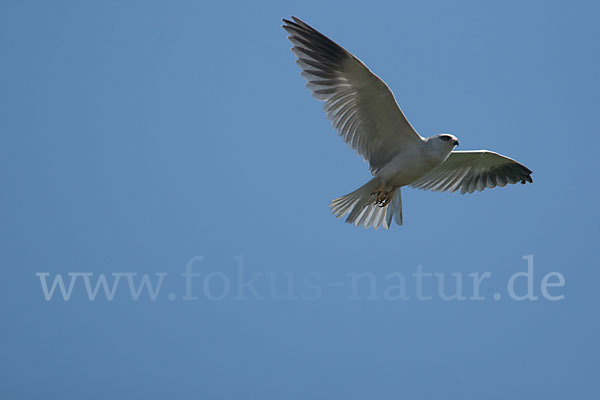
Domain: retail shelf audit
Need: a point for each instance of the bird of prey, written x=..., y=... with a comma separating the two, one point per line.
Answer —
x=363, y=110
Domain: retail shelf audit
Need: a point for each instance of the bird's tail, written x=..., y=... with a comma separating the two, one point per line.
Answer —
x=363, y=209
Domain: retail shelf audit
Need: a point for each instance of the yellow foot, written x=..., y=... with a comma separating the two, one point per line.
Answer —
x=382, y=197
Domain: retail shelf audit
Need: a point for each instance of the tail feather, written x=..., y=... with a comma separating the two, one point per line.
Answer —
x=362, y=210
x=395, y=208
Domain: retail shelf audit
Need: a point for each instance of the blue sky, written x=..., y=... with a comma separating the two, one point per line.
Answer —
x=138, y=135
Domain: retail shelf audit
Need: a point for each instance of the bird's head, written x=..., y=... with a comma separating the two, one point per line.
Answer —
x=441, y=145
x=446, y=140
x=443, y=141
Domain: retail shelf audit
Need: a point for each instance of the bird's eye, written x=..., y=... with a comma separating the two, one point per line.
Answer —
x=445, y=138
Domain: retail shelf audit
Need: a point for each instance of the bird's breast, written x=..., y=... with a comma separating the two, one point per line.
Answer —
x=404, y=169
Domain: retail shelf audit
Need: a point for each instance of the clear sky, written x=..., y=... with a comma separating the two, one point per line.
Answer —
x=137, y=137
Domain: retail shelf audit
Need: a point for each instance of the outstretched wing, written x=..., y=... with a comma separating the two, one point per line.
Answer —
x=474, y=170
x=360, y=106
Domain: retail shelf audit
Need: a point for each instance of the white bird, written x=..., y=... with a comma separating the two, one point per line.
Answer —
x=362, y=109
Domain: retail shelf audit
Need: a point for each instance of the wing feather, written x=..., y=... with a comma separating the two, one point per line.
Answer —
x=468, y=171
x=360, y=106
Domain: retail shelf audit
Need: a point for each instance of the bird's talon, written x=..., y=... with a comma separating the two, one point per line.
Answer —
x=383, y=198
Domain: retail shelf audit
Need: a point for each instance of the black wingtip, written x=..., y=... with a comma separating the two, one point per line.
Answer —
x=297, y=22
x=527, y=178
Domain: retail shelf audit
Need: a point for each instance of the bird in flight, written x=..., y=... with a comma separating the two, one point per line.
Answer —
x=364, y=112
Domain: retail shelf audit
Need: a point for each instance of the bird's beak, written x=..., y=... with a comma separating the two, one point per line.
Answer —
x=456, y=142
